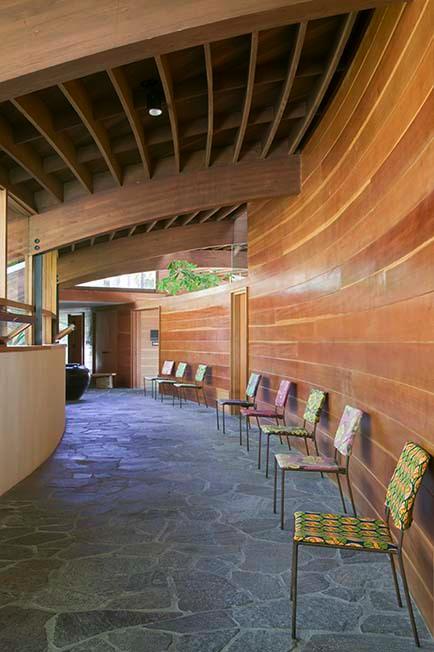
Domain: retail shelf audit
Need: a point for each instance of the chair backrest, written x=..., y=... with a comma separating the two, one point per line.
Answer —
x=200, y=372
x=314, y=405
x=252, y=385
x=405, y=483
x=282, y=394
x=348, y=427
x=181, y=369
x=167, y=368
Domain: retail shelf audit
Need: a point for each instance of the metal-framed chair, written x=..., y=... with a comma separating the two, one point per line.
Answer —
x=349, y=426
x=312, y=413
x=164, y=383
x=249, y=401
x=278, y=413
x=166, y=372
x=367, y=534
x=197, y=386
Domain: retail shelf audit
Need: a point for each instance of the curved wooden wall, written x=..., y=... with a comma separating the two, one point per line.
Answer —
x=342, y=276
x=196, y=329
x=32, y=409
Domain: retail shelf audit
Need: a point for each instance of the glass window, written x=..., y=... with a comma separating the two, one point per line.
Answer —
x=16, y=281
x=137, y=281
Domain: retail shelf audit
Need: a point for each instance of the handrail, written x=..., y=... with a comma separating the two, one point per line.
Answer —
x=15, y=333
x=16, y=317
x=8, y=303
x=63, y=333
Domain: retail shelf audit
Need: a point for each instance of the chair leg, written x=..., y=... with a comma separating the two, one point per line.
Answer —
x=223, y=418
x=294, y=573
x=341, y=493
x=174, y=390
x=395, y=580
x=275, y=488
x=282, y=499
x=144, y=387
x=204, y=398
x=350, y=491
x=248, y=435
x=317, y=451
x=307, y=448
x=197, y=396
x=217, y=414
x=408, y=599
x=289, y=443
x=268, y=456
x=260, y=448
x=241, y=428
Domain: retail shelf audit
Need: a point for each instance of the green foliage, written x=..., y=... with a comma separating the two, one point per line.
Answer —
x=183, y=277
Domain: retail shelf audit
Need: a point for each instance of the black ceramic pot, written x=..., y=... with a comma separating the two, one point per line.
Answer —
x=77, y=381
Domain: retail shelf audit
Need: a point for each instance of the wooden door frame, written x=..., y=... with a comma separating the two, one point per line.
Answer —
x=233, y=362
x=134, y=348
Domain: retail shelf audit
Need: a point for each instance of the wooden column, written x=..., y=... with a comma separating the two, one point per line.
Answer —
x=37, y=298
x=3, y=242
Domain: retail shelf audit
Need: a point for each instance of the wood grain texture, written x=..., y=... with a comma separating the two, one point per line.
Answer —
x=342, y=285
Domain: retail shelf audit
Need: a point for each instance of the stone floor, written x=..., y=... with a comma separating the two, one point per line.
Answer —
x=148, y=531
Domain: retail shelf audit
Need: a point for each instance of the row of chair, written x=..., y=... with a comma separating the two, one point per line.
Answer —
x=334, y=530
x=176, y=383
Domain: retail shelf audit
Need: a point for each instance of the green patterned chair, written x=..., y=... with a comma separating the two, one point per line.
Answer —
x=367, y=534
x=311, y=417
x=165, y=383
x=248, y=401
x=197, y=386
x=348, y=427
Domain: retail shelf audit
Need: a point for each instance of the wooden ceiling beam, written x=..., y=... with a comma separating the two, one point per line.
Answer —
x=167, y=83
x=227, y=212
x=280, y=107
x=104, y=259
x=171, y=221
x=210, y=92
x=138, y=203
x=151, y=225
x=20, y=194
x=189, y=218
x=113, y=37
x=248, y=96
x=208, y=214
x=77, y=95
x=124, y=92
x=30, y=160
x=322, y=85
x=37, y=113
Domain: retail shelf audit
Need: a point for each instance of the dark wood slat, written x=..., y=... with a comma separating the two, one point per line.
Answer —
x=209, y=81
x=167, y=83
x=248, y=97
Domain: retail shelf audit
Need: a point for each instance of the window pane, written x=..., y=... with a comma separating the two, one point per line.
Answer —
x=16, y=281
x=137, y=281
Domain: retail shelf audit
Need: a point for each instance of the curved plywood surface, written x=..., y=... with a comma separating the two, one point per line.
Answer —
x=342, y=276
x=32, y=409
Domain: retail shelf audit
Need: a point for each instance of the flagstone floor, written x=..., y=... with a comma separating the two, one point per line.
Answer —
x=149, y=531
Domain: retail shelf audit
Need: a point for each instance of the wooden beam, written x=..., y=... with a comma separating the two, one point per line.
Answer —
x=122, y=88
x=167, y=83
x=138, y=203
x=131, y=231
x=151, y=225
x=299, y=130
x=280, y=107
x=209, y=85
x=3, y=243
x=248, y=96
x=36, y=112
x=226, y=213
x=20, y=194
x=112, y=35
x=170, y=222
x=76, y=93
x=30, y=160
x=189, y=218
x=100, y=260
x=208, y=214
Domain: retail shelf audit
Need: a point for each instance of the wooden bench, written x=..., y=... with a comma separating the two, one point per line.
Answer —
x=103, y=380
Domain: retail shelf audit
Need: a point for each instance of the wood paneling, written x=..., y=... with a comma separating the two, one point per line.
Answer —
x=146, y=355
x=113, y=343
x=197, y=328
x=341, y=277
x=32, y=407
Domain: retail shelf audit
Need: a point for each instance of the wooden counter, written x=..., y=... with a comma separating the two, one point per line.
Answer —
x=32, y=408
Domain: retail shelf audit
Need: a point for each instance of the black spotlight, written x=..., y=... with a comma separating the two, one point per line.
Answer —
x=152, y=89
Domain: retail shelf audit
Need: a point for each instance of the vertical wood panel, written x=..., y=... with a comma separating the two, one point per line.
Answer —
x=3, y=242
x=341, y=277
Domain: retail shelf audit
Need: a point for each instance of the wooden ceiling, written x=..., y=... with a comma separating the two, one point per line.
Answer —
x=249, y=97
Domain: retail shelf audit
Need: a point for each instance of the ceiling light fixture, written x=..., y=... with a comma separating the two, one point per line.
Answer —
x=153, y=98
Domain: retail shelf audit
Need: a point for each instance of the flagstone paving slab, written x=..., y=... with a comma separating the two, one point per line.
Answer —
x=148, y=530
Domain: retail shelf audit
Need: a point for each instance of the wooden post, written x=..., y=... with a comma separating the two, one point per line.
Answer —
x=28, y=291
x=3, y=242
x=38, y=260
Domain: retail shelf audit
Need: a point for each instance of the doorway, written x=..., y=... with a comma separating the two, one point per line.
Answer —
x=146, y=348
x=76, y=339
x=239, y=343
